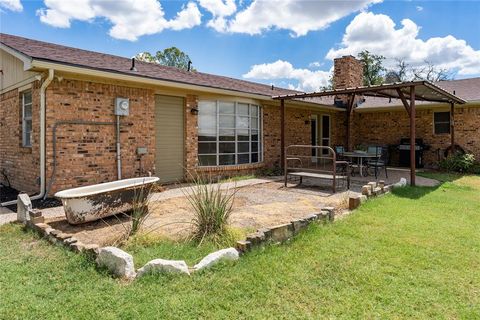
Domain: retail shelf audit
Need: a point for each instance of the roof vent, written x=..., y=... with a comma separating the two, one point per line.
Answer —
x=273, y=87
x=132, y=68
x=189, y=65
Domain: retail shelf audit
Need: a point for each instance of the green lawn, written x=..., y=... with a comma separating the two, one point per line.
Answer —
x=411, y=254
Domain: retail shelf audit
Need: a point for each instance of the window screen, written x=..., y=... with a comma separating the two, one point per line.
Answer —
x=441, y=122
x=228, y=133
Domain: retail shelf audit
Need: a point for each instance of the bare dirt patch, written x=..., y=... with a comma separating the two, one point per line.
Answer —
x=255, y=206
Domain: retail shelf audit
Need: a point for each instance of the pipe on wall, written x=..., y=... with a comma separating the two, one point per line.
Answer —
x=43, y=89
x=81, y=122
x=119, y=157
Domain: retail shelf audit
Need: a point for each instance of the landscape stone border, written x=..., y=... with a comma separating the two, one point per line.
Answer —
x=120, y=263
x=284, y=232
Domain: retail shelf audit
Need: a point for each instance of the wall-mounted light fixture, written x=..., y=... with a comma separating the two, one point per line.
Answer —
x=194, y=111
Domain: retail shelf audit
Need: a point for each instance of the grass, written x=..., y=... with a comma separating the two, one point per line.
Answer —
x=411, y=254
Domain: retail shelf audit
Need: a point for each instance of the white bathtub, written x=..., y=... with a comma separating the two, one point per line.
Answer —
x=98, y=201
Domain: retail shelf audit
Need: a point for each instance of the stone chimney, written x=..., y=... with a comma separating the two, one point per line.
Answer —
x=347, y=73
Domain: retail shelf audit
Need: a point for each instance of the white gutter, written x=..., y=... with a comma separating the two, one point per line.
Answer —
x=59, y=67
x=43, y=88
x=38, y=64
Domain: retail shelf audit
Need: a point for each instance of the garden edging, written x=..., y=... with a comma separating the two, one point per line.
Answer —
x=34, y=220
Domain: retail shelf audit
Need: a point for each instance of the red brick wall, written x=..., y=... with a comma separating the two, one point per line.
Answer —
x=271, y=135
x=191, y=136
x=19, y=165
x=389, y=127
x=86, y=154
x=297, y=130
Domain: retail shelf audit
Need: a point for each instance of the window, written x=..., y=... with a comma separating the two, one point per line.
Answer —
x=441, y=122
x=228, y=133
x=27, y=119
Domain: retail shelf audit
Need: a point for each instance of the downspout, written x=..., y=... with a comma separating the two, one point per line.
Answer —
x=43, y=88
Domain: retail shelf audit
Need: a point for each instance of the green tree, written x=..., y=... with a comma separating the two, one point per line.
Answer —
x=373, y=70
x=172, y=57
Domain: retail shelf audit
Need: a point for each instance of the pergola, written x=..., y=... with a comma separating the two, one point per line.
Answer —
x=407, y=92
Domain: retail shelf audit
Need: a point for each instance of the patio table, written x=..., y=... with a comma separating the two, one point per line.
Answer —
x=360, y=156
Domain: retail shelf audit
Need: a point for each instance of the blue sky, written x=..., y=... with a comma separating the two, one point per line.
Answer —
x=285, y=42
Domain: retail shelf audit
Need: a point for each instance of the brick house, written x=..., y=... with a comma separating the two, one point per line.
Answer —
x=58, y=124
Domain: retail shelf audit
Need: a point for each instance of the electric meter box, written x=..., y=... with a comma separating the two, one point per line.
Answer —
x=122, y=106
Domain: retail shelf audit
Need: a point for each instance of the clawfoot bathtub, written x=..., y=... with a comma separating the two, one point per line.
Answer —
x=98, y=201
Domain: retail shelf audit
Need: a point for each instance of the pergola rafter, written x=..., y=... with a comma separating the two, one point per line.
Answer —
x=406, y=92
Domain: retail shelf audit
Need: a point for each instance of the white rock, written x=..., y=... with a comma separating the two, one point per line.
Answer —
x=117, y=261
x=401, y=183
x=217, y=256
x=162, y=265
x=24, y=205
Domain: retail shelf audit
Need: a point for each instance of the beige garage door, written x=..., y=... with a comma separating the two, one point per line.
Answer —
x=169, y=138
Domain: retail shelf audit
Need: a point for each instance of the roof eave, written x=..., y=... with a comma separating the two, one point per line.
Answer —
x=117, y=75
x=27, y=60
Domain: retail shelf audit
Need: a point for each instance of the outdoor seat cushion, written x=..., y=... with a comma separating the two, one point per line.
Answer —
x=377, y=163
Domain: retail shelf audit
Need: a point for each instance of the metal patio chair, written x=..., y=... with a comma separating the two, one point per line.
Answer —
x=380, y=161
x=346, y=163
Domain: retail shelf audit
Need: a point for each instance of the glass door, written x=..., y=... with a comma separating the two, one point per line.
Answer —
x=325, y=132
x=314, y=136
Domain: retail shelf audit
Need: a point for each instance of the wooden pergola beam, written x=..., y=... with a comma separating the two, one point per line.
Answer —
x=428, y=92
x=404, y=100
x=412, y=136
x=350, y=102
x=282, y=133
x=452, y=126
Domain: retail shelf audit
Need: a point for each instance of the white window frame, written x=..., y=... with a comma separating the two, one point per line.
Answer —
x=217, y=141
x=442, y=122
x=26, y=119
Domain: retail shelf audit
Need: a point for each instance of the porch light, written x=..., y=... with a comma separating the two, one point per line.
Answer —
x=194, y=111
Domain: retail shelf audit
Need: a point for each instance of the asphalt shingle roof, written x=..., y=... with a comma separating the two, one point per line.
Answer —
x=106, y=62
x=467, y=89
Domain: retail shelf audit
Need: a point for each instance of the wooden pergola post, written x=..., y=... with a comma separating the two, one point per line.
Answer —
x=412, y=136
x=351, y=99
x=282, y=133
x=411, y=112
x=452, y=125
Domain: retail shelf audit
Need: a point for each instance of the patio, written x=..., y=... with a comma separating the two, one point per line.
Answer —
x=259, y=202
x=349, y=98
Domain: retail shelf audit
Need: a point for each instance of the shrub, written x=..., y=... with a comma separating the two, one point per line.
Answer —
x=212, y=207
x=270, y=172
x=459, y=163
x=134, y=221
x=475, y=169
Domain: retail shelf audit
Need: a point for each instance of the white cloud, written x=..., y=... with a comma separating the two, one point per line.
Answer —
x=419, y=8
x=315, y=64
x=188, y=18
x=130, y=18
x=13, y=5
x=298, y=16
x=306, y=80
x=219, y=10
x=379, y=34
